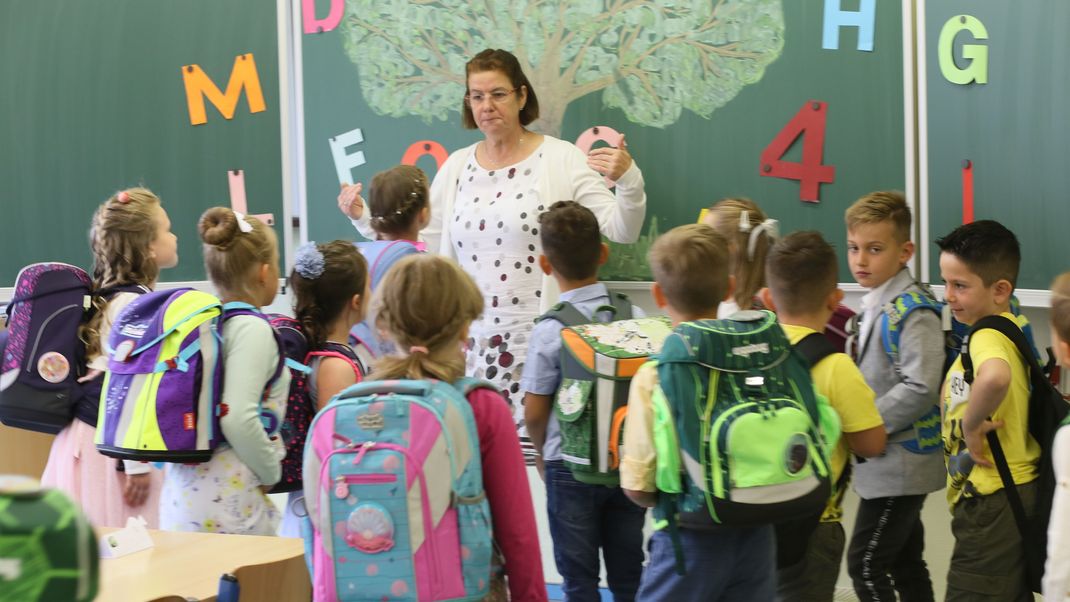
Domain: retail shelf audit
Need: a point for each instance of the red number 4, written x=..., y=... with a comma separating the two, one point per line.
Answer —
x=811, y=173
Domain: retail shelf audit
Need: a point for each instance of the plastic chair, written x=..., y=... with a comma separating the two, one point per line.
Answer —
x=281, y=580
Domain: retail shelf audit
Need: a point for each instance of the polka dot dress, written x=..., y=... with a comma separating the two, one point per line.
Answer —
x=495, y=233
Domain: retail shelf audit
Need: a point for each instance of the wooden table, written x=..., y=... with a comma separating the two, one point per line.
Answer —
x=190, y=564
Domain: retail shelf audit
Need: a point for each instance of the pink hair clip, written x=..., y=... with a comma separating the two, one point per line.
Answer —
x=418, y=349
x=123, y=197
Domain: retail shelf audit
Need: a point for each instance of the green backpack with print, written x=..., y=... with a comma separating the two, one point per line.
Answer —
x=598, y=361
x=742, y=436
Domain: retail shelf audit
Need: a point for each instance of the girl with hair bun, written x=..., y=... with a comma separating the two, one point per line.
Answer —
x=227, y=494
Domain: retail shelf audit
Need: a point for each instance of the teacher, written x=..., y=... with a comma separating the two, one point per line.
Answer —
x=485, y=205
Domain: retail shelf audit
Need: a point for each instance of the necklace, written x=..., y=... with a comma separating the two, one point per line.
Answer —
x=507, y=159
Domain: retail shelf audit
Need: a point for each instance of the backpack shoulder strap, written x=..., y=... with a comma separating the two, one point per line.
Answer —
x=467, y=385
x=622, y=306
x=565, y=313
x=344, y=353
x=895, y=312
x=814, y=347
x=1009, y=329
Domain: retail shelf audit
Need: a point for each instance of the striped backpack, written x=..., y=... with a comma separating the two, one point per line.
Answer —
x=397, y=506
x=162, y=389
x=742, y=436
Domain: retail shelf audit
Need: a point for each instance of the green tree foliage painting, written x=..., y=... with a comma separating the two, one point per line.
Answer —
x=650, y=59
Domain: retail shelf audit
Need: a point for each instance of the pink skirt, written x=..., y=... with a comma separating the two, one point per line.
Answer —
x=76, y=468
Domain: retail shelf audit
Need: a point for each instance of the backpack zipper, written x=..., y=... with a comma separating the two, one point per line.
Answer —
x=41, y=332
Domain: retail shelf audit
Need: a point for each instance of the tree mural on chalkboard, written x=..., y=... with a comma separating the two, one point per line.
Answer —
x=650, y=59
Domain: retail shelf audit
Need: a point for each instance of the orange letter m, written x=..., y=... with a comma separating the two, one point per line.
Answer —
x=198, y=86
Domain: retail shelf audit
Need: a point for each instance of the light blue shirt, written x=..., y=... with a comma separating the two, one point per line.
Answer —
x=542, y=367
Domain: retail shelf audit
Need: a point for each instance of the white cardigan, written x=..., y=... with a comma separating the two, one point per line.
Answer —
x=563, y=176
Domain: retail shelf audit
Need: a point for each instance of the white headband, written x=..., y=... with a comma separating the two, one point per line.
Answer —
x=771, y=227
x=243, y=225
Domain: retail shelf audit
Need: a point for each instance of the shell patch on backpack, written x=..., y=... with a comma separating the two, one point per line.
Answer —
x=571, y=399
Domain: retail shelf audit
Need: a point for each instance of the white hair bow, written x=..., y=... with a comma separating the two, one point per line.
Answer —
x=243, y=225
x=771, y=227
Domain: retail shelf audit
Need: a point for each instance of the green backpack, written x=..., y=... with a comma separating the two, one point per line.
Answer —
x=598, y=361
x=47, y=547
x=742, y=436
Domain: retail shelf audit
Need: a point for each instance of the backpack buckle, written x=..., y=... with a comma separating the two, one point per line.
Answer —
x=172, y=363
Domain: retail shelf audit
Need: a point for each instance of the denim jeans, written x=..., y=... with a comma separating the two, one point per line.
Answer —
x=726, y=565
x=584, y=518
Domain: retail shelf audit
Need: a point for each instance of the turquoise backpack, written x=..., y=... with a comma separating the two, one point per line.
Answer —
x=742, y=436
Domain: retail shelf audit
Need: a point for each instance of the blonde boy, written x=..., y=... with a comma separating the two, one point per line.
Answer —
x=885, y=554
x=691, y=273
x=801, y=273
x=979, y=266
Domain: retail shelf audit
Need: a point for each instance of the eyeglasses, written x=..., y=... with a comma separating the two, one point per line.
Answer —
x=496, y=96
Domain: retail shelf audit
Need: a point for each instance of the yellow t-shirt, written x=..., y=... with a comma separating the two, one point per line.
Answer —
x=638, y=465
x=963, y=478
x=839, y=380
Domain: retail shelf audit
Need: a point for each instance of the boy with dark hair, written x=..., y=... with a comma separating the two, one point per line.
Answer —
x=979, y=265
x=801, y=273
x=691, y=273
x=583, y=518
x=900, y=351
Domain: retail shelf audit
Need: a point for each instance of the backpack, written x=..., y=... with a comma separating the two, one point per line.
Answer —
x=742, y=436
x=1048, y=410
x=44, y=356
x=162, y=390
x=598, y=361
x=299, y=406
x=394, y=493
x=380, y=255
x=48, y=550
x=927, y=436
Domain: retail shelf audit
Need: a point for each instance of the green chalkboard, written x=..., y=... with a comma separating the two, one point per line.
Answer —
x=93, y=100
x=697, y=137
x=1014, y=130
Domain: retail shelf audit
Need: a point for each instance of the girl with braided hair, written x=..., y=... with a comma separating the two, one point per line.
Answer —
x=425, y=306
x=131, y=241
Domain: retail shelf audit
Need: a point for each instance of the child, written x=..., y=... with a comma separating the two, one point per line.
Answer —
x=400, y=208
x=227, y=493
x=979, y=266
x=750, y=235
x=131, y=241
x=1057, y=570
x=885, y=554
x=583, y=518
x=330, y=284
x=425, y=306
x=691, y=272
x=801, y=272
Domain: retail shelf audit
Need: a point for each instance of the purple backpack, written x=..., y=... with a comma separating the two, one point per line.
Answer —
x=299, y=407
x=44, y=356
x=162, y=391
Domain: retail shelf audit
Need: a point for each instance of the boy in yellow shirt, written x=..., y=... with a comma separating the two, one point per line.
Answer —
x=979, y=266
x=801, y=273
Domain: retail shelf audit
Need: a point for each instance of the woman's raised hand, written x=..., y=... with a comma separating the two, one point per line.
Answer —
x=610, y=162
x=350, y=202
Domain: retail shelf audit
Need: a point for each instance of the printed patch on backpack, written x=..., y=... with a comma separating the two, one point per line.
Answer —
x=746, y=350
x=370, y=529
x=54, y=367
x=188, y=421
x=797, y=455
x=372, y=421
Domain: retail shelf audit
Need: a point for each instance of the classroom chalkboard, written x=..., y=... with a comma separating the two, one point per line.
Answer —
x=699, y=139
x=93, y=100
x=1008, y=136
